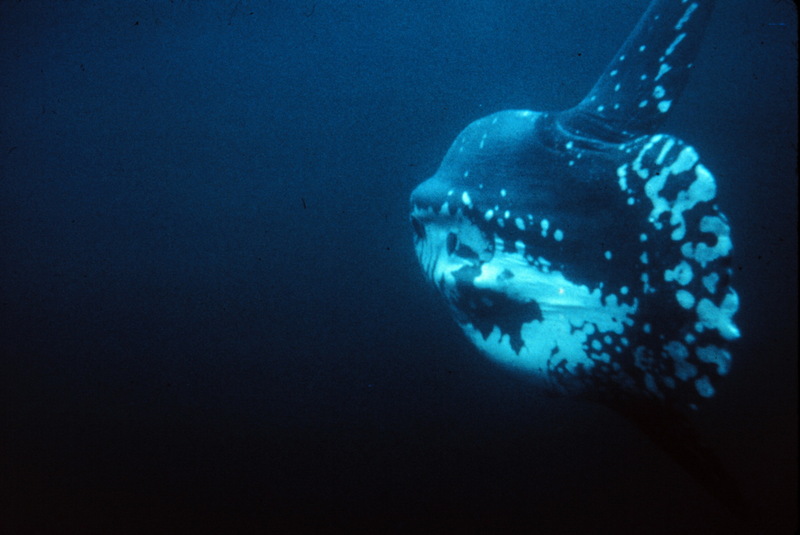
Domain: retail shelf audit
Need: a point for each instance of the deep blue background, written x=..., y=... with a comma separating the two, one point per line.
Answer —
x=210, y=309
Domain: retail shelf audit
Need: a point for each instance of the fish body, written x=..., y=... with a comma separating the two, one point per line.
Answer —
x=584, y=249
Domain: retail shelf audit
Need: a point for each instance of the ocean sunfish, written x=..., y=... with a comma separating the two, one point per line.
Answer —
x=584, y=249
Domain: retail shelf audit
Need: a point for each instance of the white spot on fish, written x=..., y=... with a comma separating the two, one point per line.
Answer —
x=607, y=255
x=489, y=214
x=558, y=235
x=704, y=387
x=664, y=150
x=662, y=70
x=466, y=199
x=664, y=105
x=686, y=16
x=685, y=299
x=646, y=288
x=671, y=47
x=520, y=224
x=659, y=92
x=682, y=274
x=715, y=355
x=642, y=48
x=622, y=174
x=710, y=282
x=686, y=159
x=642, y=104
x=502, y=193
x=720, y=318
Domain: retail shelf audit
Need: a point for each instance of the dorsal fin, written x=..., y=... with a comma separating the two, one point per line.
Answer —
x=646, y=76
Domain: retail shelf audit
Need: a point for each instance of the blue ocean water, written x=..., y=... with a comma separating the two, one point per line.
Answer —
x=211, y=314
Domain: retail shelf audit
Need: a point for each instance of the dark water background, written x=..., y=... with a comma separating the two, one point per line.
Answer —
x=211, y=315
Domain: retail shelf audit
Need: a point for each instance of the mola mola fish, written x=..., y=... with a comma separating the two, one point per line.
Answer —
x=583, y=248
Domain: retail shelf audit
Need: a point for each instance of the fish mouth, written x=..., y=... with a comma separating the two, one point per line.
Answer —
x=446, y=243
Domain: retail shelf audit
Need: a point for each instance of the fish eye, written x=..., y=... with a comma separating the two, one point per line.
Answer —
x=419, y=228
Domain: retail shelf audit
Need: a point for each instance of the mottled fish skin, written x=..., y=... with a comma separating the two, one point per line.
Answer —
x=582, y=248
